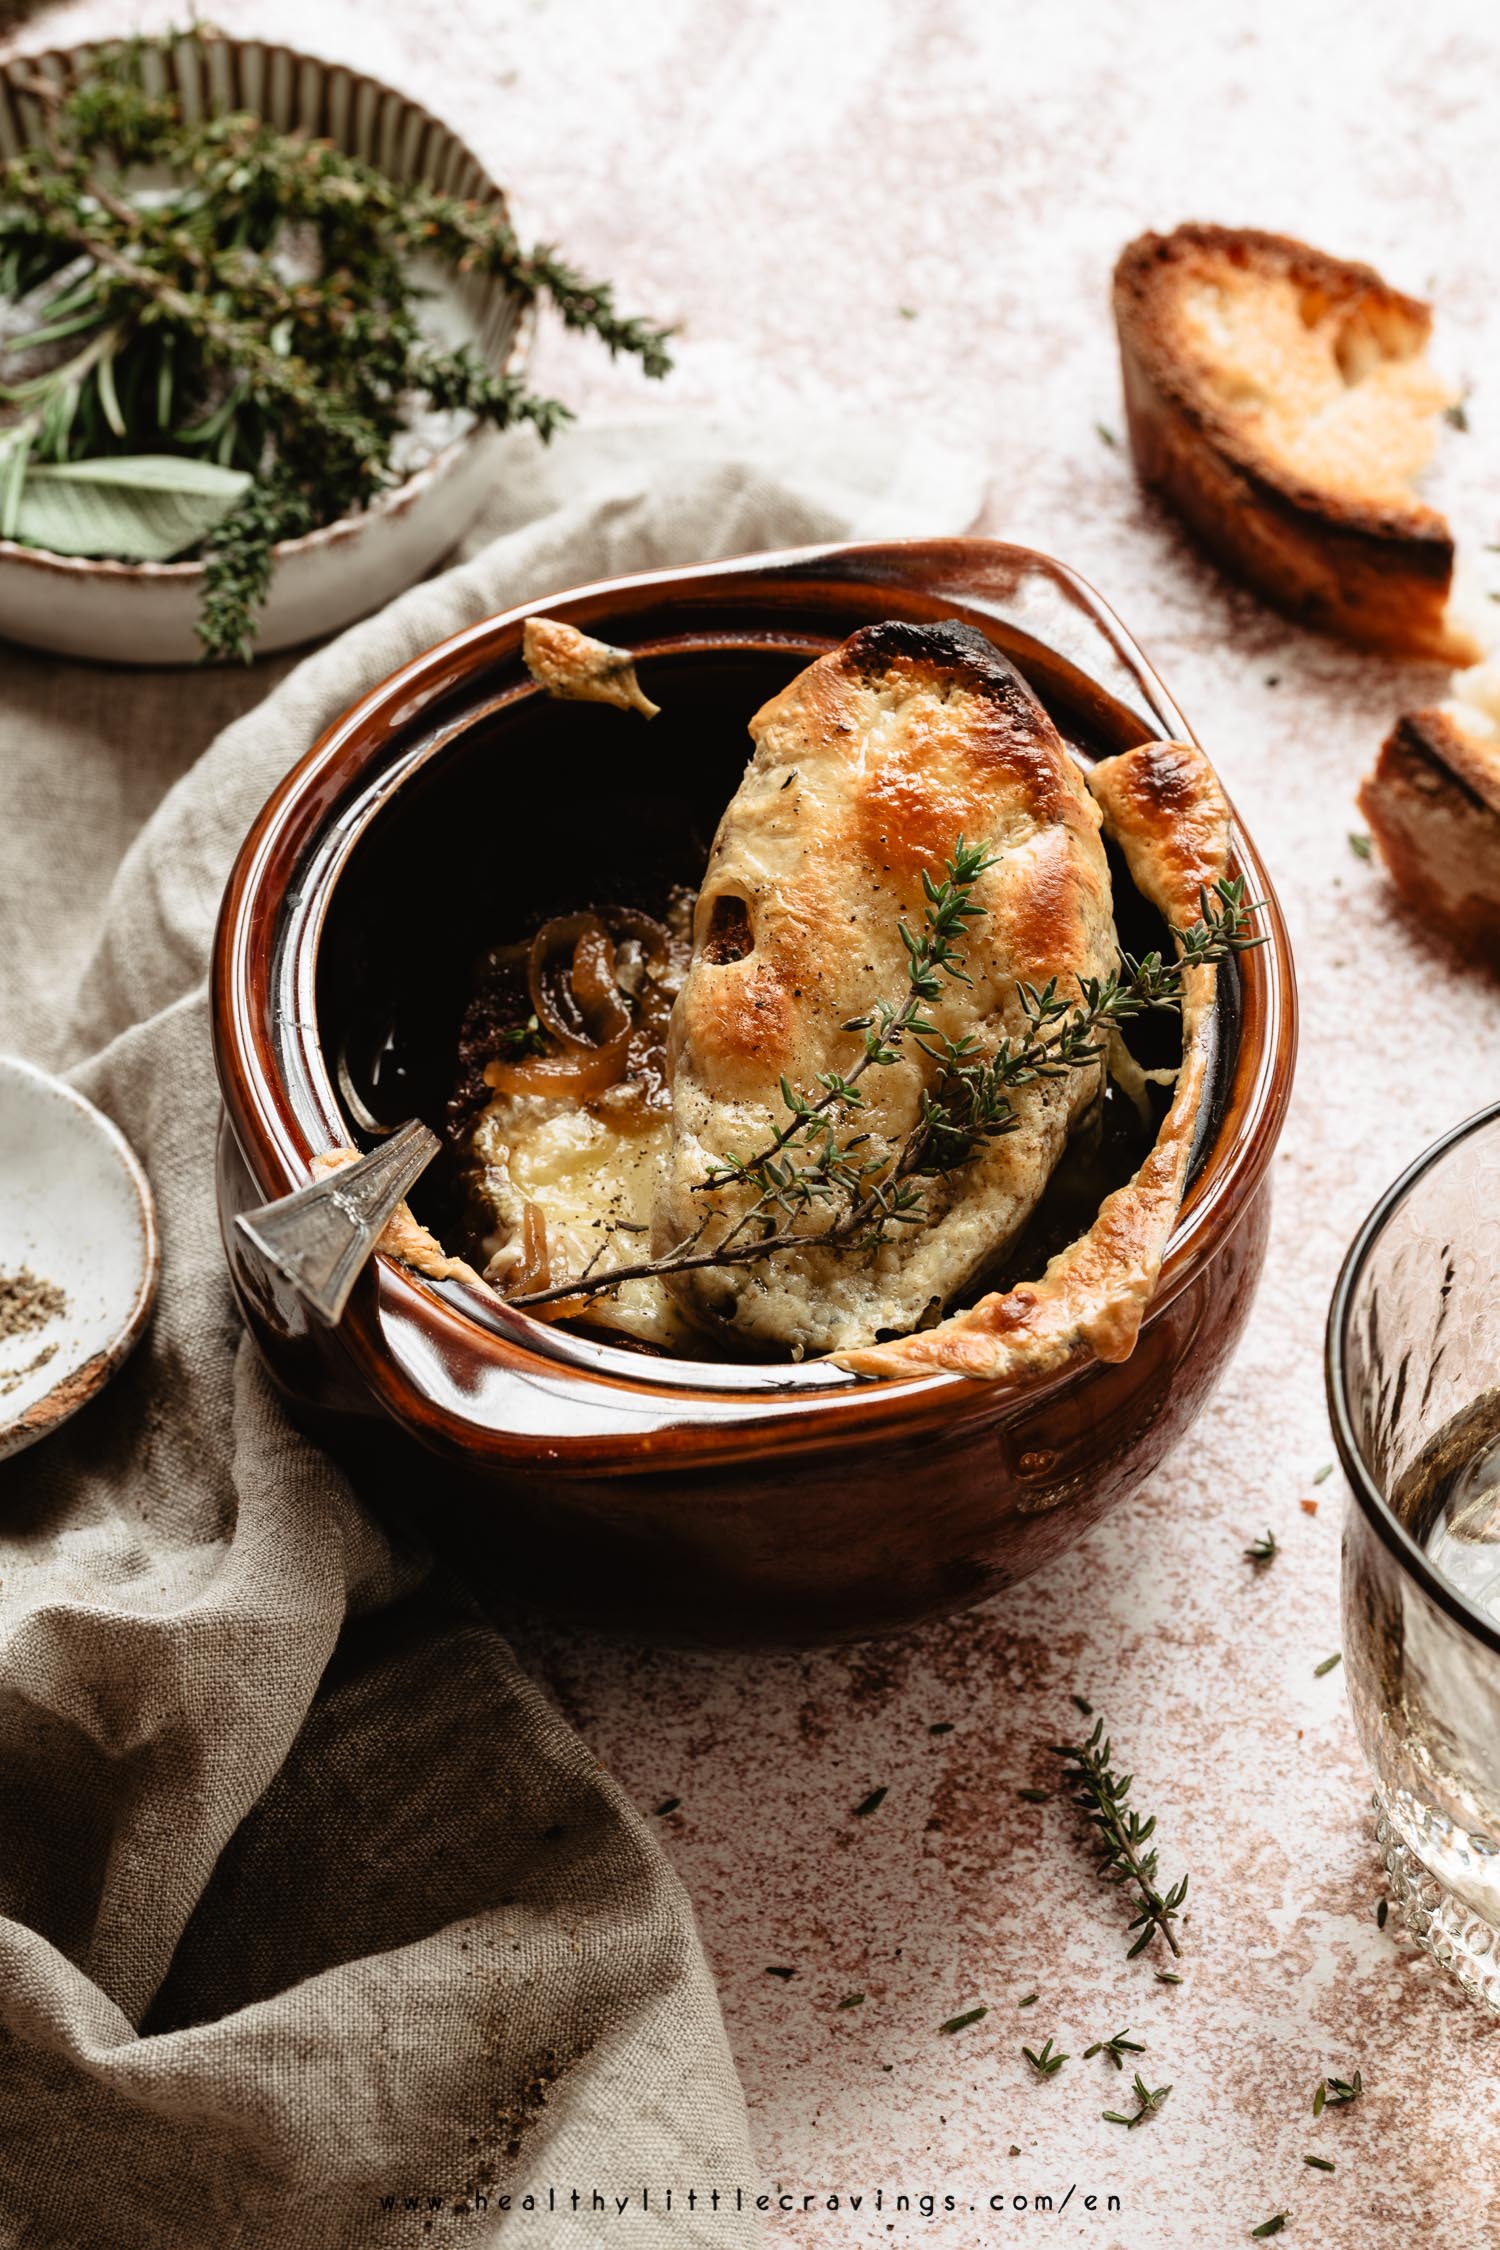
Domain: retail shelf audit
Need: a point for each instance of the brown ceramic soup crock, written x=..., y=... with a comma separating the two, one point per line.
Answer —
x=693, y=1501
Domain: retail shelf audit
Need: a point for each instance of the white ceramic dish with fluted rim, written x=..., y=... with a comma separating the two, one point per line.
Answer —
x=146, y=613
x=75, y=1210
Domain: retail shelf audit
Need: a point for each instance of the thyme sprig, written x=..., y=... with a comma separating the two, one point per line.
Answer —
x=1044, y=2061
x=1117, y=2048
x=1337, y=2092
x=812, y=1168
x=1127, y=1855
x=259, y=311
x=1148, y=2101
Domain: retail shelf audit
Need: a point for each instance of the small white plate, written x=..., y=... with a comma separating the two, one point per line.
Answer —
x=76, y=1209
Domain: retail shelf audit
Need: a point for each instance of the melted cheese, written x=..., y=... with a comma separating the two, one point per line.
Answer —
x=594, y=1181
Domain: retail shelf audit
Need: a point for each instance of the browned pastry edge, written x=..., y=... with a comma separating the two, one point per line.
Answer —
x=403, y=1237
x=1379, y=574
x=1433, y=805
x=1162, y=804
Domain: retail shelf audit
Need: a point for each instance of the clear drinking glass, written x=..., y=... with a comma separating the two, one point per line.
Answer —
x=1414, y=1394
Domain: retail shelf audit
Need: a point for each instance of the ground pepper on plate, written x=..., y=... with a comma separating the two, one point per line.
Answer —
x=27, y=1303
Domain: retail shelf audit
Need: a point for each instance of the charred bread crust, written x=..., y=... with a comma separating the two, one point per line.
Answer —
x=1377, y=572
x=947, y=649
x=1162, y=804
x=1433, y=805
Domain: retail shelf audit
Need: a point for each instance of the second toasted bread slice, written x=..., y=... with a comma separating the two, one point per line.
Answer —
x=1282, y=400
x=1433, y=804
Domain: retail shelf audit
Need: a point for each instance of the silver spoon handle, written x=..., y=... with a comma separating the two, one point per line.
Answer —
x=321, y=1236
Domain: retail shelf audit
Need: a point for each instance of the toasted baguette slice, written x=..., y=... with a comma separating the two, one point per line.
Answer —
x=867, y=771
x=1282, y=401
x=1433, y=805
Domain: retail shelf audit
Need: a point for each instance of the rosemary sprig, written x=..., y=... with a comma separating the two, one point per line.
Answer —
x=809, y=1170
x=1128, y=1855
x=193, y=330
x=1117, y=2048
x=1148, y=2101
x=1043, y=2061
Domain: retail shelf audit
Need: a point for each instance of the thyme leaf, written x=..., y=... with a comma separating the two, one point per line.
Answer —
x=1337, y=2093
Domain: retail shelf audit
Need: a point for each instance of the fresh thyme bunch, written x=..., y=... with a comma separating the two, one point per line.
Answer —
x=813, y=1168
x=258, y=319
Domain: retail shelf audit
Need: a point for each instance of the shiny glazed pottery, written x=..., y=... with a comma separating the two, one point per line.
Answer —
x=684, y=1501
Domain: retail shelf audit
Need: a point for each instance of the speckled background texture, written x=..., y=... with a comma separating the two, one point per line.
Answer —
x=912, y=211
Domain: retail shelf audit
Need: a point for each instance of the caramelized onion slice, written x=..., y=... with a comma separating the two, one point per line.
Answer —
x=535, y=1268
x=571, y=974
x=576, y=1074
x=596, y=994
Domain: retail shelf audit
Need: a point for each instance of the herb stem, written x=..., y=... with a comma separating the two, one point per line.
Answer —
x=1128, y=1855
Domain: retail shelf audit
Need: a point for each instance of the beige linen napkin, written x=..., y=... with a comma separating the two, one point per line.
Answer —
x=321, y=1927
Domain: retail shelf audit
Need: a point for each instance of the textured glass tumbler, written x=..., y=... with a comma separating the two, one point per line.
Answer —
x=1414, y=1392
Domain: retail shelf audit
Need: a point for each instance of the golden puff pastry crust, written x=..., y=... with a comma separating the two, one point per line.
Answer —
x=867, y=770
x=1163, y=806
x=576, y=669
x=403, y=1236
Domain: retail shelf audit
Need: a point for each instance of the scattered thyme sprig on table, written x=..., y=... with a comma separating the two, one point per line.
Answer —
x=258, y=313
x=1337, y=2092
x=1127, y=1854
x=1043, y=2061
x=812, y=1168
x=1262, y=1550
x=1117, y=2048
x=1148, y=2101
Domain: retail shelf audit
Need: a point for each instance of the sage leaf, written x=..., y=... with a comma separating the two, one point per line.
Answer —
x=142, y=507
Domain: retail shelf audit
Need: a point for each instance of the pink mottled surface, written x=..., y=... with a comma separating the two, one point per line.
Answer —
x=783, y=179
